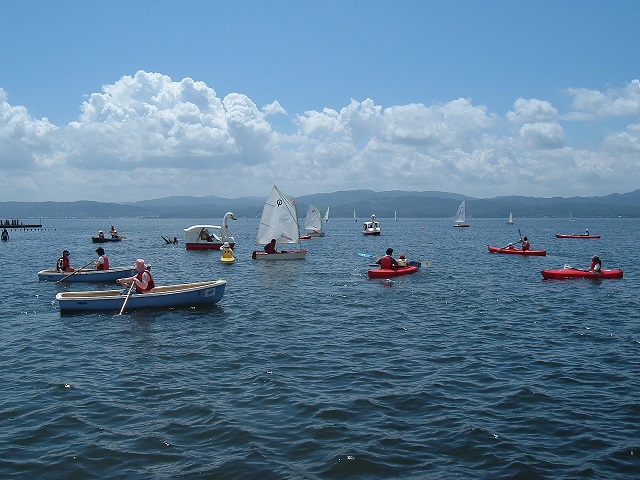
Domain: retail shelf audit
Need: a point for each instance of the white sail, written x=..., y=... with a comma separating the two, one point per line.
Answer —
x=395, y=215
x=326, y=216
x=279, y=220
x=510, y=221
x=313, y=222
x=461, y=214
x=354, y=216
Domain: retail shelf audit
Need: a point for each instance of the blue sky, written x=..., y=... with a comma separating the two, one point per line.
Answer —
x=137, y=100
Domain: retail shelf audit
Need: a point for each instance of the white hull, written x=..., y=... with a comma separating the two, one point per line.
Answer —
x=286, y=255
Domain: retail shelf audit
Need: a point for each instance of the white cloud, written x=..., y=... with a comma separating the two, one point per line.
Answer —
x=532, y=110
x=148, y=136
x=612, y=103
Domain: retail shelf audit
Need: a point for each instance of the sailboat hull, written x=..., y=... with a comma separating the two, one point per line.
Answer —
x=460, y=224
x=284, y=255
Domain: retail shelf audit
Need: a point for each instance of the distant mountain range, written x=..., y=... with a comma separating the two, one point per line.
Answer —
x=342, y=204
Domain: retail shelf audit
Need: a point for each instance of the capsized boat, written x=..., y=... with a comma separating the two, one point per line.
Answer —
x=517, y=251
x=88, y=275
x=576, y=235
x=371, y=227
x=313, y=223
x=198, y=293
x=461, y=216
x=413, y=267
x=280, y=221
x=210, y=237
x=570, y=272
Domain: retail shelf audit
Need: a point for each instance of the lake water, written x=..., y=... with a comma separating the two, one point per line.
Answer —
x=475, y=367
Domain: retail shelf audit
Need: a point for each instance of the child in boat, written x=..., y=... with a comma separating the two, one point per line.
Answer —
x=64, y=264
x=271, y=247
x=226, y=251
x=402, y=261
x=102, y=263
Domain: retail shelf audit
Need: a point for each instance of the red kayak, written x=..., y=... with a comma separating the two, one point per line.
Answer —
x=393, y=272
x=571, y=272
x=516, y=251
x=575, y=235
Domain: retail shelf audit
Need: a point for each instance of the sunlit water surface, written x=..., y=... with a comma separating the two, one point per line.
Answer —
x=475, y=367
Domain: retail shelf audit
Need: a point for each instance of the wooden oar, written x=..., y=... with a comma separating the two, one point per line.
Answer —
x=74, y=272
x=127, y=299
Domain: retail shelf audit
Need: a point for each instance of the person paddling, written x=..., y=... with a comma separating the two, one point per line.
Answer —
x=102, y=263
x=143, y=280
x=596, y=264
x=525, y=244
x=387, y=261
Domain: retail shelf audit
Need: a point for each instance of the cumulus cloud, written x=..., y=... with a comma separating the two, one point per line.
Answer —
x=148, y=136
x=611, y=103
x=532, y=110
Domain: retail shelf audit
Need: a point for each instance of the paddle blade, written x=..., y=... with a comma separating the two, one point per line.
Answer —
x=365, y=255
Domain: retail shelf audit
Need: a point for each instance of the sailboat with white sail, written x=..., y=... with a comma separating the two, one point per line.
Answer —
x=279, y=222
x=313, y=223
x=461, y=216
x=395, y=215
x=510, y=221
x=355, y=219
x=326, y=216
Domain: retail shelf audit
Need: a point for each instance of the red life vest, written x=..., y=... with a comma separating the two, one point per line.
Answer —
x=385, y=262
x=150, y=284
x=105, y=265
x=62, y=264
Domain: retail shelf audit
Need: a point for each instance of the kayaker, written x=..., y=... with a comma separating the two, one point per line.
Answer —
x=387, y=261
x=586, y=232
x=510, y=247
x=64, y=264
x=143, y=279
x=596, y=264
x=227, y=252
x=525, y=244
x=402, y=261
x=100, y=234
x=271, y=247
x=102, y=263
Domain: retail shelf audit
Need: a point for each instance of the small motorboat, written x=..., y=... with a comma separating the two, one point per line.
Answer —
x=165, y=296
x=517, y=251
x=569, y=272
x=89, y=275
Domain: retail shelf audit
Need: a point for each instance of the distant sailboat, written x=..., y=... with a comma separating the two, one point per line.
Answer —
x=571, y=219
x=395, y=215
x=354, y=216
x=312, y=223
x=459, y=220
x=326, y=216
x=510, y=221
